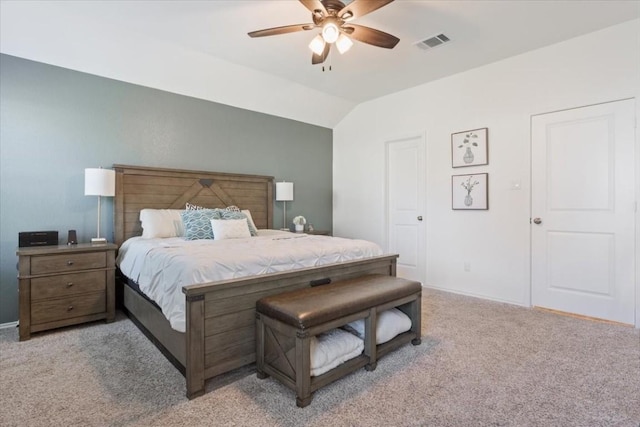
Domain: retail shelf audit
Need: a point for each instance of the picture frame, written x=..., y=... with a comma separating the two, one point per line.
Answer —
x=470, y=148
x=470, y=191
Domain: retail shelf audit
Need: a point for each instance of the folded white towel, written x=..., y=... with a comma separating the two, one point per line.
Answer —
x=333, y=348
x=390, y=324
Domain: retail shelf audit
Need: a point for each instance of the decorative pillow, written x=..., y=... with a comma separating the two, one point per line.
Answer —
x=390, y=323
x=232, y=208
x=247, y=212
x=197, y=223
x=161, y=223
x=191, y=207
x=239, y=215
x=230, y=229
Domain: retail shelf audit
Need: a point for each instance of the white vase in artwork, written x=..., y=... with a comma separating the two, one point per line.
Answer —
x=468, y=200
x=299, y=228
x=468, y=156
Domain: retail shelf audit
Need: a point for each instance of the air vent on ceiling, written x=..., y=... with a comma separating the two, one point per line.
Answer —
x=432, y=42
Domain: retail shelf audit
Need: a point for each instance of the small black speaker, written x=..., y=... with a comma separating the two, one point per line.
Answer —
x=72, y=239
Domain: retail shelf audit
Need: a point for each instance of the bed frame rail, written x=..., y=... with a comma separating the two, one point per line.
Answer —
x=221, y=316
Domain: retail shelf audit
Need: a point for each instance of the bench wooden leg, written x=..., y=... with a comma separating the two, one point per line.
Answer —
x=301, y=403
x=303, y=369
x=370, y=346
x=416, y=320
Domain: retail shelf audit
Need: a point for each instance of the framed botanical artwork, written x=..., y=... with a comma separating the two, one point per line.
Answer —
x=470, y=192
x=470, y=148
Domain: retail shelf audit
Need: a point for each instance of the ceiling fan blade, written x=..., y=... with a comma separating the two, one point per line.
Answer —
x=281, y=30
x=371, y=36
x=319, y=59
x=359, y=8
x=314, y=5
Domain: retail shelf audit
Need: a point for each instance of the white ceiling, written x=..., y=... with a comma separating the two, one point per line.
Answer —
x=205, y=44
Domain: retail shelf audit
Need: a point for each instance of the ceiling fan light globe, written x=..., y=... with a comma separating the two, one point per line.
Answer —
x=343, y=43
x=330, y=32
x=317, y=45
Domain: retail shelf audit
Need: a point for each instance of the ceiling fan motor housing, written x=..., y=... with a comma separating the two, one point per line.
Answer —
x=333, y=6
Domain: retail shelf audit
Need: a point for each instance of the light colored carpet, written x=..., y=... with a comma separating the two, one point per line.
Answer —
x=481, y=363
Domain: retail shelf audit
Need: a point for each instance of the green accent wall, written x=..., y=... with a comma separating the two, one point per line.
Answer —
x=56, y=122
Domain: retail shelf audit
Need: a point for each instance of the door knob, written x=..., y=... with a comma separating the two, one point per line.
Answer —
x=537, y=220
x=420, y=218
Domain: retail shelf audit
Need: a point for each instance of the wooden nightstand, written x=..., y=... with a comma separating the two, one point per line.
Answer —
x=65, y=285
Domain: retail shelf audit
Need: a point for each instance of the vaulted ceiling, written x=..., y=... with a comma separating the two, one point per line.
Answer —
x=201, y=48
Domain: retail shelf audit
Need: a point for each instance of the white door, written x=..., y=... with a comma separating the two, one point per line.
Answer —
x=583, y=208
x=406, y=205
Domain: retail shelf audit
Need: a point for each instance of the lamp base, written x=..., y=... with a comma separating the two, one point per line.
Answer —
x=98, y=241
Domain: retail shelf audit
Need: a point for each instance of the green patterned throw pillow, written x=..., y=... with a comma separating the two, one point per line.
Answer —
x=197, y=223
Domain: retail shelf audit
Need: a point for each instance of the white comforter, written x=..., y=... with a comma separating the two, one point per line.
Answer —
x=161, y=267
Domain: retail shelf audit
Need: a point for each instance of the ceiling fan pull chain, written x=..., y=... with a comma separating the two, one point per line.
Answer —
x=330, y=57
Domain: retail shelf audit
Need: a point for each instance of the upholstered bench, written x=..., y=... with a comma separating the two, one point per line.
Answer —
x=287, y=323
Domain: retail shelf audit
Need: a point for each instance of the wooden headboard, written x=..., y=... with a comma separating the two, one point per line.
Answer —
x=139, y=187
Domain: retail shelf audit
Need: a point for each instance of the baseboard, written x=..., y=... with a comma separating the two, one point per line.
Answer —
x=9, y=325
x=481, y=296
x=582, y=317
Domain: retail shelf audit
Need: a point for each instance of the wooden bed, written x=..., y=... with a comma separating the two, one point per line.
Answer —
x=220, y=316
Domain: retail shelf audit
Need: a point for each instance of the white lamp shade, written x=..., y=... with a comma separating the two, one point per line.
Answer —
x=343, y=43
x=284, y=191
x=99, y=182
x=317, y=45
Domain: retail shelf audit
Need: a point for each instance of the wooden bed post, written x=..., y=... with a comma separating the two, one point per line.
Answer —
x=194, y=369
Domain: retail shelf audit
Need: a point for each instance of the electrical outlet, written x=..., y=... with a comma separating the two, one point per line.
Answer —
x=467, y=266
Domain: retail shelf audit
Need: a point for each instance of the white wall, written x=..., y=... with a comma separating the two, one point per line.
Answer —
x=599, y=67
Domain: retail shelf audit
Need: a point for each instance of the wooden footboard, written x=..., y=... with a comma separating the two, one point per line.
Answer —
x=221, y=315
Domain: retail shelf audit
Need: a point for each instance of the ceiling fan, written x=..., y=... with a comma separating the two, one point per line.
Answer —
x=334, y=19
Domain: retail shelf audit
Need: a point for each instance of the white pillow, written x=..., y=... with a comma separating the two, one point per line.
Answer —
x=390, y=324
x=247, y=212
x=230, y=229
x=161, y=223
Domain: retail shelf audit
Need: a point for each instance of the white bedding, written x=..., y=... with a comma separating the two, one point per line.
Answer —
x=162, y=266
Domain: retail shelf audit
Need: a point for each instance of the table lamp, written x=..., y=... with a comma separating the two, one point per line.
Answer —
x=99, y=182
x=284, y=193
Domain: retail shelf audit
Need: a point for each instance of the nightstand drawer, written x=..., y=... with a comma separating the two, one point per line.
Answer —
x=67, y=285
x=66, y=308
x=67, y=262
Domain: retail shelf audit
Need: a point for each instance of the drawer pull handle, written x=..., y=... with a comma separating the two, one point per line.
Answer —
x=70, y=284
x=70, y=308
x=69, y=262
